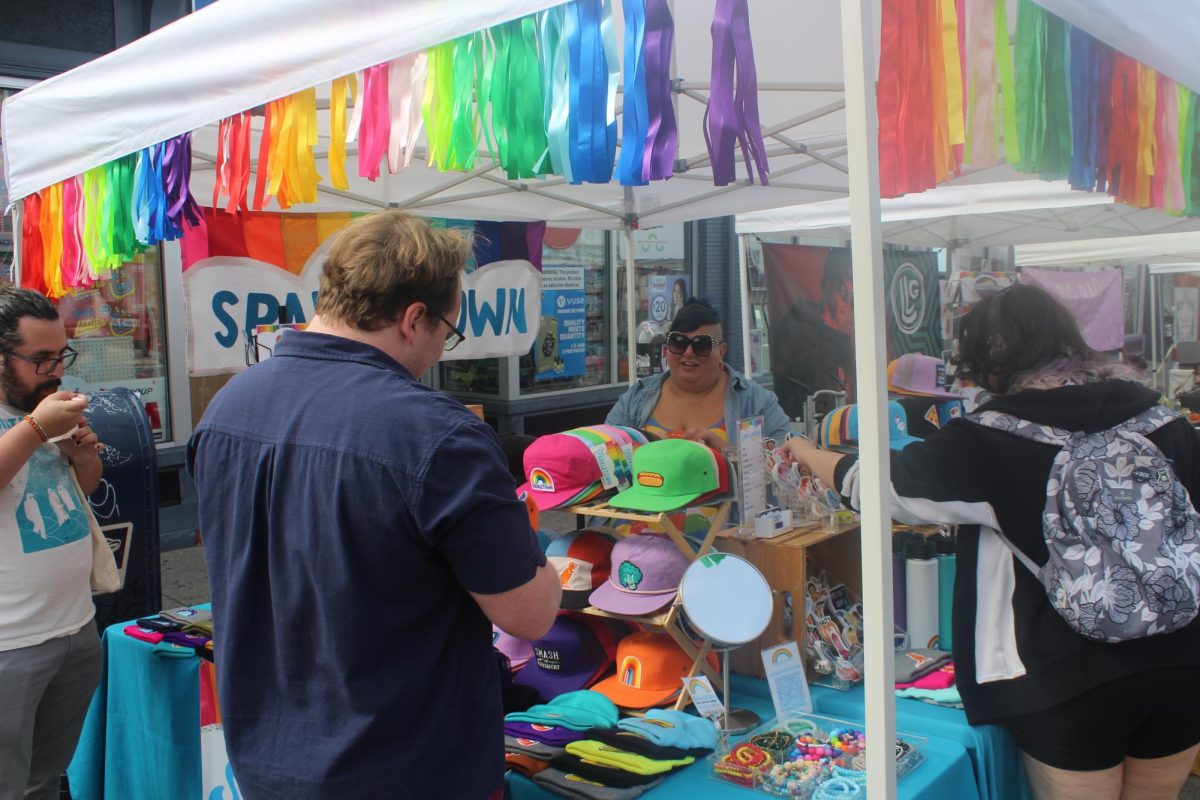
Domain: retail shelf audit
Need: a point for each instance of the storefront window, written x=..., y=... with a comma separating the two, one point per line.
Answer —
x=571, y=348
x=475, y=376
x=117, y=328
x=664, y=282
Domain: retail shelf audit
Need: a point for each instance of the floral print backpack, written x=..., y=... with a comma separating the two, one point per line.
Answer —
x=1123, y=536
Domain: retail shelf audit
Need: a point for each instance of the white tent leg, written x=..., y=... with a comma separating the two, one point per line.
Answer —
x=858, y=58
x=630, y=303
x=744, y=283
x=17, y=211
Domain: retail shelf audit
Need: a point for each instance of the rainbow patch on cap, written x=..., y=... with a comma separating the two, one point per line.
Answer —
x=540, y=480
x=631, y=672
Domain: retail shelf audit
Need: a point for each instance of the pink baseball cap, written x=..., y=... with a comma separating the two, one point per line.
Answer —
x=646, y=570
x=918, y=375
x=558, y=468
x=517, y=650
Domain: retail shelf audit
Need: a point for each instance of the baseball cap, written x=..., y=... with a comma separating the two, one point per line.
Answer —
x=724, y=479
x=568, y=658
x=833, y=432
x=914, y=374
x=560, y=469
x=668, y=474
x=518, y=651
x=645, y=575
x=898, y=434
x=582, y=560
x=650, y=667
x=928, y=415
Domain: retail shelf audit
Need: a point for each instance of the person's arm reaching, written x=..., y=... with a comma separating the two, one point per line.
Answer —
x=55, y=415
x=527, y=611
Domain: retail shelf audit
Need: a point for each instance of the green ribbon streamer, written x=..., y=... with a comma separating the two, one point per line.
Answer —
x=437, y=109
x=1055, y=159
x=1030, y=86
x=1007, y=95
x=464, y=131
x=518, y=100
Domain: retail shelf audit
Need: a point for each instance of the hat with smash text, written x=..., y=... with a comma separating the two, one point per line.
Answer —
x=582, y=559
x=645, y=575
x=568, y=658
x=668, y=474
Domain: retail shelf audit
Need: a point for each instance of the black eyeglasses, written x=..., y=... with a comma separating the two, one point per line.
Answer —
x=701, y=345
x=454, y=338
x=46, y=365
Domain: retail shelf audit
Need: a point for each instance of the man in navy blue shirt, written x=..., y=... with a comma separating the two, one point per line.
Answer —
x=361, y=532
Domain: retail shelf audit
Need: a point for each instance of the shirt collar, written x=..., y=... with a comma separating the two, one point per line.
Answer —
x=326, y=347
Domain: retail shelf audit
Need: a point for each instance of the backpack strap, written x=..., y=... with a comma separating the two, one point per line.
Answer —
x=1150, y=420
x=1007, y=423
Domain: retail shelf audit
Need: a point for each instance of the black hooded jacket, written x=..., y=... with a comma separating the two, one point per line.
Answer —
x=1013, y=653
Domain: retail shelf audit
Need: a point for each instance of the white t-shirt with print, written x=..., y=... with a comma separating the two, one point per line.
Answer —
x=45, y=549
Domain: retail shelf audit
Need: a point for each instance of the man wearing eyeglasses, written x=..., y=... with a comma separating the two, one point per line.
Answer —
x=362, y=532
x=49, y=648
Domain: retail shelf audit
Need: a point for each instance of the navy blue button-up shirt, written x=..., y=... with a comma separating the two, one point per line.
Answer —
x=346, y=511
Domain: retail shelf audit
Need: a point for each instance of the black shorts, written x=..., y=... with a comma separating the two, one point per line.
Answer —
x=1152, y=714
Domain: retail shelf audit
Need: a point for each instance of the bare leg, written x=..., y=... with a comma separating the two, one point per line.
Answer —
x=1157, y=778
x=1052, y=783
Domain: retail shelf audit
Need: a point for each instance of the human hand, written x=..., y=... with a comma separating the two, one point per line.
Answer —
x=60, y=412
x=704, y=436
x=799, y=450
x=81, y=444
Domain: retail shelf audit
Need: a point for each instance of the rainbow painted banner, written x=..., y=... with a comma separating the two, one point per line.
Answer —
x=242, y=271
x=954, y=93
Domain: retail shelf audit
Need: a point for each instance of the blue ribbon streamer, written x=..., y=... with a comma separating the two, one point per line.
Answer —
x=635, y=116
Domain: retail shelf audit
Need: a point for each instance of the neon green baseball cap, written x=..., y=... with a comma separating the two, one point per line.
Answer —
x=669, y=474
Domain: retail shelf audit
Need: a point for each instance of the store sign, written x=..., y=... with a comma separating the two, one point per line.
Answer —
x=560, y=350
x=227, y=296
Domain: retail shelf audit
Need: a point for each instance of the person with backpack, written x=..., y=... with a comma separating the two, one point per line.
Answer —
x=1078, y=574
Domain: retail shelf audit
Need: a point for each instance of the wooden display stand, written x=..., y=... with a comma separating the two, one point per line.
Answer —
x=784, y=562
x=669, y=621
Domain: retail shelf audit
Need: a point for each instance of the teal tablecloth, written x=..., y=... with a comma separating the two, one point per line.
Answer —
x=141, y=738
x=945, y=773
x=994, y=756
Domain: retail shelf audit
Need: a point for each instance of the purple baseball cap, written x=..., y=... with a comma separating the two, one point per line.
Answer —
x=914, y=374
x=568, y=658
x=646, y=570
x=517, y=650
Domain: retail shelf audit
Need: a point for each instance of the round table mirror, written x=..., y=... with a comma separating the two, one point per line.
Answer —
x=728, y=602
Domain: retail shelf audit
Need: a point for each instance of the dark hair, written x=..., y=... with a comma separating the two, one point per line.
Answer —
x=16, y=303
x=695, y=312
x=1016, y=332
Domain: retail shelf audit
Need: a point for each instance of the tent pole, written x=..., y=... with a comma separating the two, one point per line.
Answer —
x=858, y=60
x=630, y=302
x=744, y=281
x=17, y=212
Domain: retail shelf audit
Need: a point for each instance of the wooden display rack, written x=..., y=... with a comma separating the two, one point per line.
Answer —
x=669, y=621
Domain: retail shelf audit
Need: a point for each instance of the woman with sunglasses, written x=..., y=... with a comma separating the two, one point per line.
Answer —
x=699, y=396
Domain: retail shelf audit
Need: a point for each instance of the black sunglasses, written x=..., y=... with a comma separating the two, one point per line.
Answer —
x=46, y=365
x=454, y=338
x=701, y=345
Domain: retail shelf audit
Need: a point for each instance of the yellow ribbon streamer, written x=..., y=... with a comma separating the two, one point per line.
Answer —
x=1147, y=144
x=343, y=88
x=954, y=77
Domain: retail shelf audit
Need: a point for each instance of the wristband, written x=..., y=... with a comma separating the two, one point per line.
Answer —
x=37, y=426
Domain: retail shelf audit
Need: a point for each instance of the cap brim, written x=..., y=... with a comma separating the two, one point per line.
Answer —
x=547, y=501
x=629, y=697
x=635, y=499
x=930, y=393
x=611, y=599
x=551, y=686
x=900, y=444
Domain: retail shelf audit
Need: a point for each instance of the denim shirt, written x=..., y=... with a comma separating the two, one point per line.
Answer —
x=743, y=398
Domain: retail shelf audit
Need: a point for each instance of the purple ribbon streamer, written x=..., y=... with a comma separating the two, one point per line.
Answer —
x=177, y=173
x=732, y=114
x=662, y=133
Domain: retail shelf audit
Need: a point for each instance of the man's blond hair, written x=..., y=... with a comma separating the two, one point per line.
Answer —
x=381, y=264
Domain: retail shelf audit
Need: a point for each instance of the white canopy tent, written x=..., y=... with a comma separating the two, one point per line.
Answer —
x=233, y=56
x=1010, y=210
x=1165, y=248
